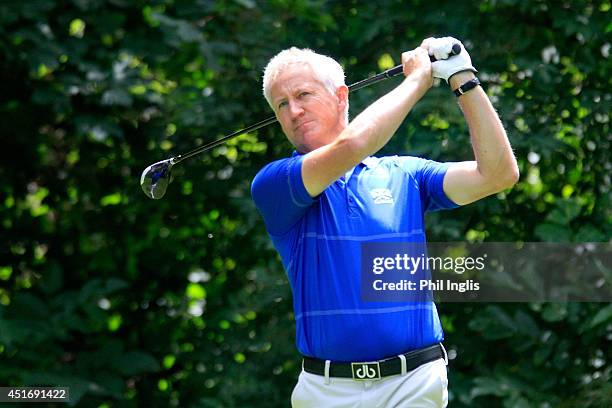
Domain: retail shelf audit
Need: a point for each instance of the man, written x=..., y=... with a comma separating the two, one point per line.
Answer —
x=319, y=207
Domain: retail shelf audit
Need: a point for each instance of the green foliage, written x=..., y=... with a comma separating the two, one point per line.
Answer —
x=183, y=301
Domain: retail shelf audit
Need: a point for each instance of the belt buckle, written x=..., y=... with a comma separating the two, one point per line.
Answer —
x=366, y=371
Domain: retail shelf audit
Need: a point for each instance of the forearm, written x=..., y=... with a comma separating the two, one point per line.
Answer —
x=494, y=157
x=373, y=127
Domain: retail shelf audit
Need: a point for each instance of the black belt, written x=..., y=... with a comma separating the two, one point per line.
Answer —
x=372, y=370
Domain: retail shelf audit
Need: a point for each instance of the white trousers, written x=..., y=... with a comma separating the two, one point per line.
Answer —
x=423, y=387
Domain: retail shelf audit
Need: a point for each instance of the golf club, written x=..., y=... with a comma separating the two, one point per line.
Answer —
x=155, y=178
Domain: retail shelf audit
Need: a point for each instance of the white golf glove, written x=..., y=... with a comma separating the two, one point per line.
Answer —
x=446, y=66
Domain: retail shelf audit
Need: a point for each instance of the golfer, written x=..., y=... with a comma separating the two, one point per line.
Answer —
x=332, y=195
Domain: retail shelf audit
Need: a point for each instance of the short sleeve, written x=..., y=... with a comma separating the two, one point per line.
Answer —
x=429, y=175
x=280, y=195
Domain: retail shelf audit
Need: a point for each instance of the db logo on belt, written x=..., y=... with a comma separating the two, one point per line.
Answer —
x=366, y=371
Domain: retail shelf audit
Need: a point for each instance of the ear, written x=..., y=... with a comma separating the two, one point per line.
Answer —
x=342, y=95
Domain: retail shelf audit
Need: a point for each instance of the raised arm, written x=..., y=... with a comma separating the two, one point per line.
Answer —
x=371, y=129
x=494, y=168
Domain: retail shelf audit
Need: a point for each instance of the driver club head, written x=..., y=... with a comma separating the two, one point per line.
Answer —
x=155, y=179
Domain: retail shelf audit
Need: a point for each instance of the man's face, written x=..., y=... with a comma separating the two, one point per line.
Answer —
x=309, y=114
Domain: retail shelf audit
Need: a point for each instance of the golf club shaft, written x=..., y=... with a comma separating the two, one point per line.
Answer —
x=353, y=87
x=223, y=139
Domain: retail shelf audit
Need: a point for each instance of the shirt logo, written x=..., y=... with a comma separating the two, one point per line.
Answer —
x=381, y=196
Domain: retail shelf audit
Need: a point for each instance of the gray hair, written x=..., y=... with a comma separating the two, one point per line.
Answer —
x=327, y=70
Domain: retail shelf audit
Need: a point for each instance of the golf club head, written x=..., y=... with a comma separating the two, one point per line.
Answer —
x=155, y=179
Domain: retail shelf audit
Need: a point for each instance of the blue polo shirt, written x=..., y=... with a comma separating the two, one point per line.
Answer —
x=380, y=200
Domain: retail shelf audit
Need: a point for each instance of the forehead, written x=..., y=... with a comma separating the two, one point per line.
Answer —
x=293, y=76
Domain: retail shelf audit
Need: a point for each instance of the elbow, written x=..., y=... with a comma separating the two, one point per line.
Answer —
x=513, y=174
x=508, y=178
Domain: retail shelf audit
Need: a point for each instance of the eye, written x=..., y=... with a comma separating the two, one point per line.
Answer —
x=282, y=103
x=305, y=93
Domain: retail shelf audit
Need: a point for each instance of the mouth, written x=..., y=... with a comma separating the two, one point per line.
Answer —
x=301, y=124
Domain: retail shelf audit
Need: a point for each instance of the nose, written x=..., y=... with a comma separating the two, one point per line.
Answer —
x=295, y=108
